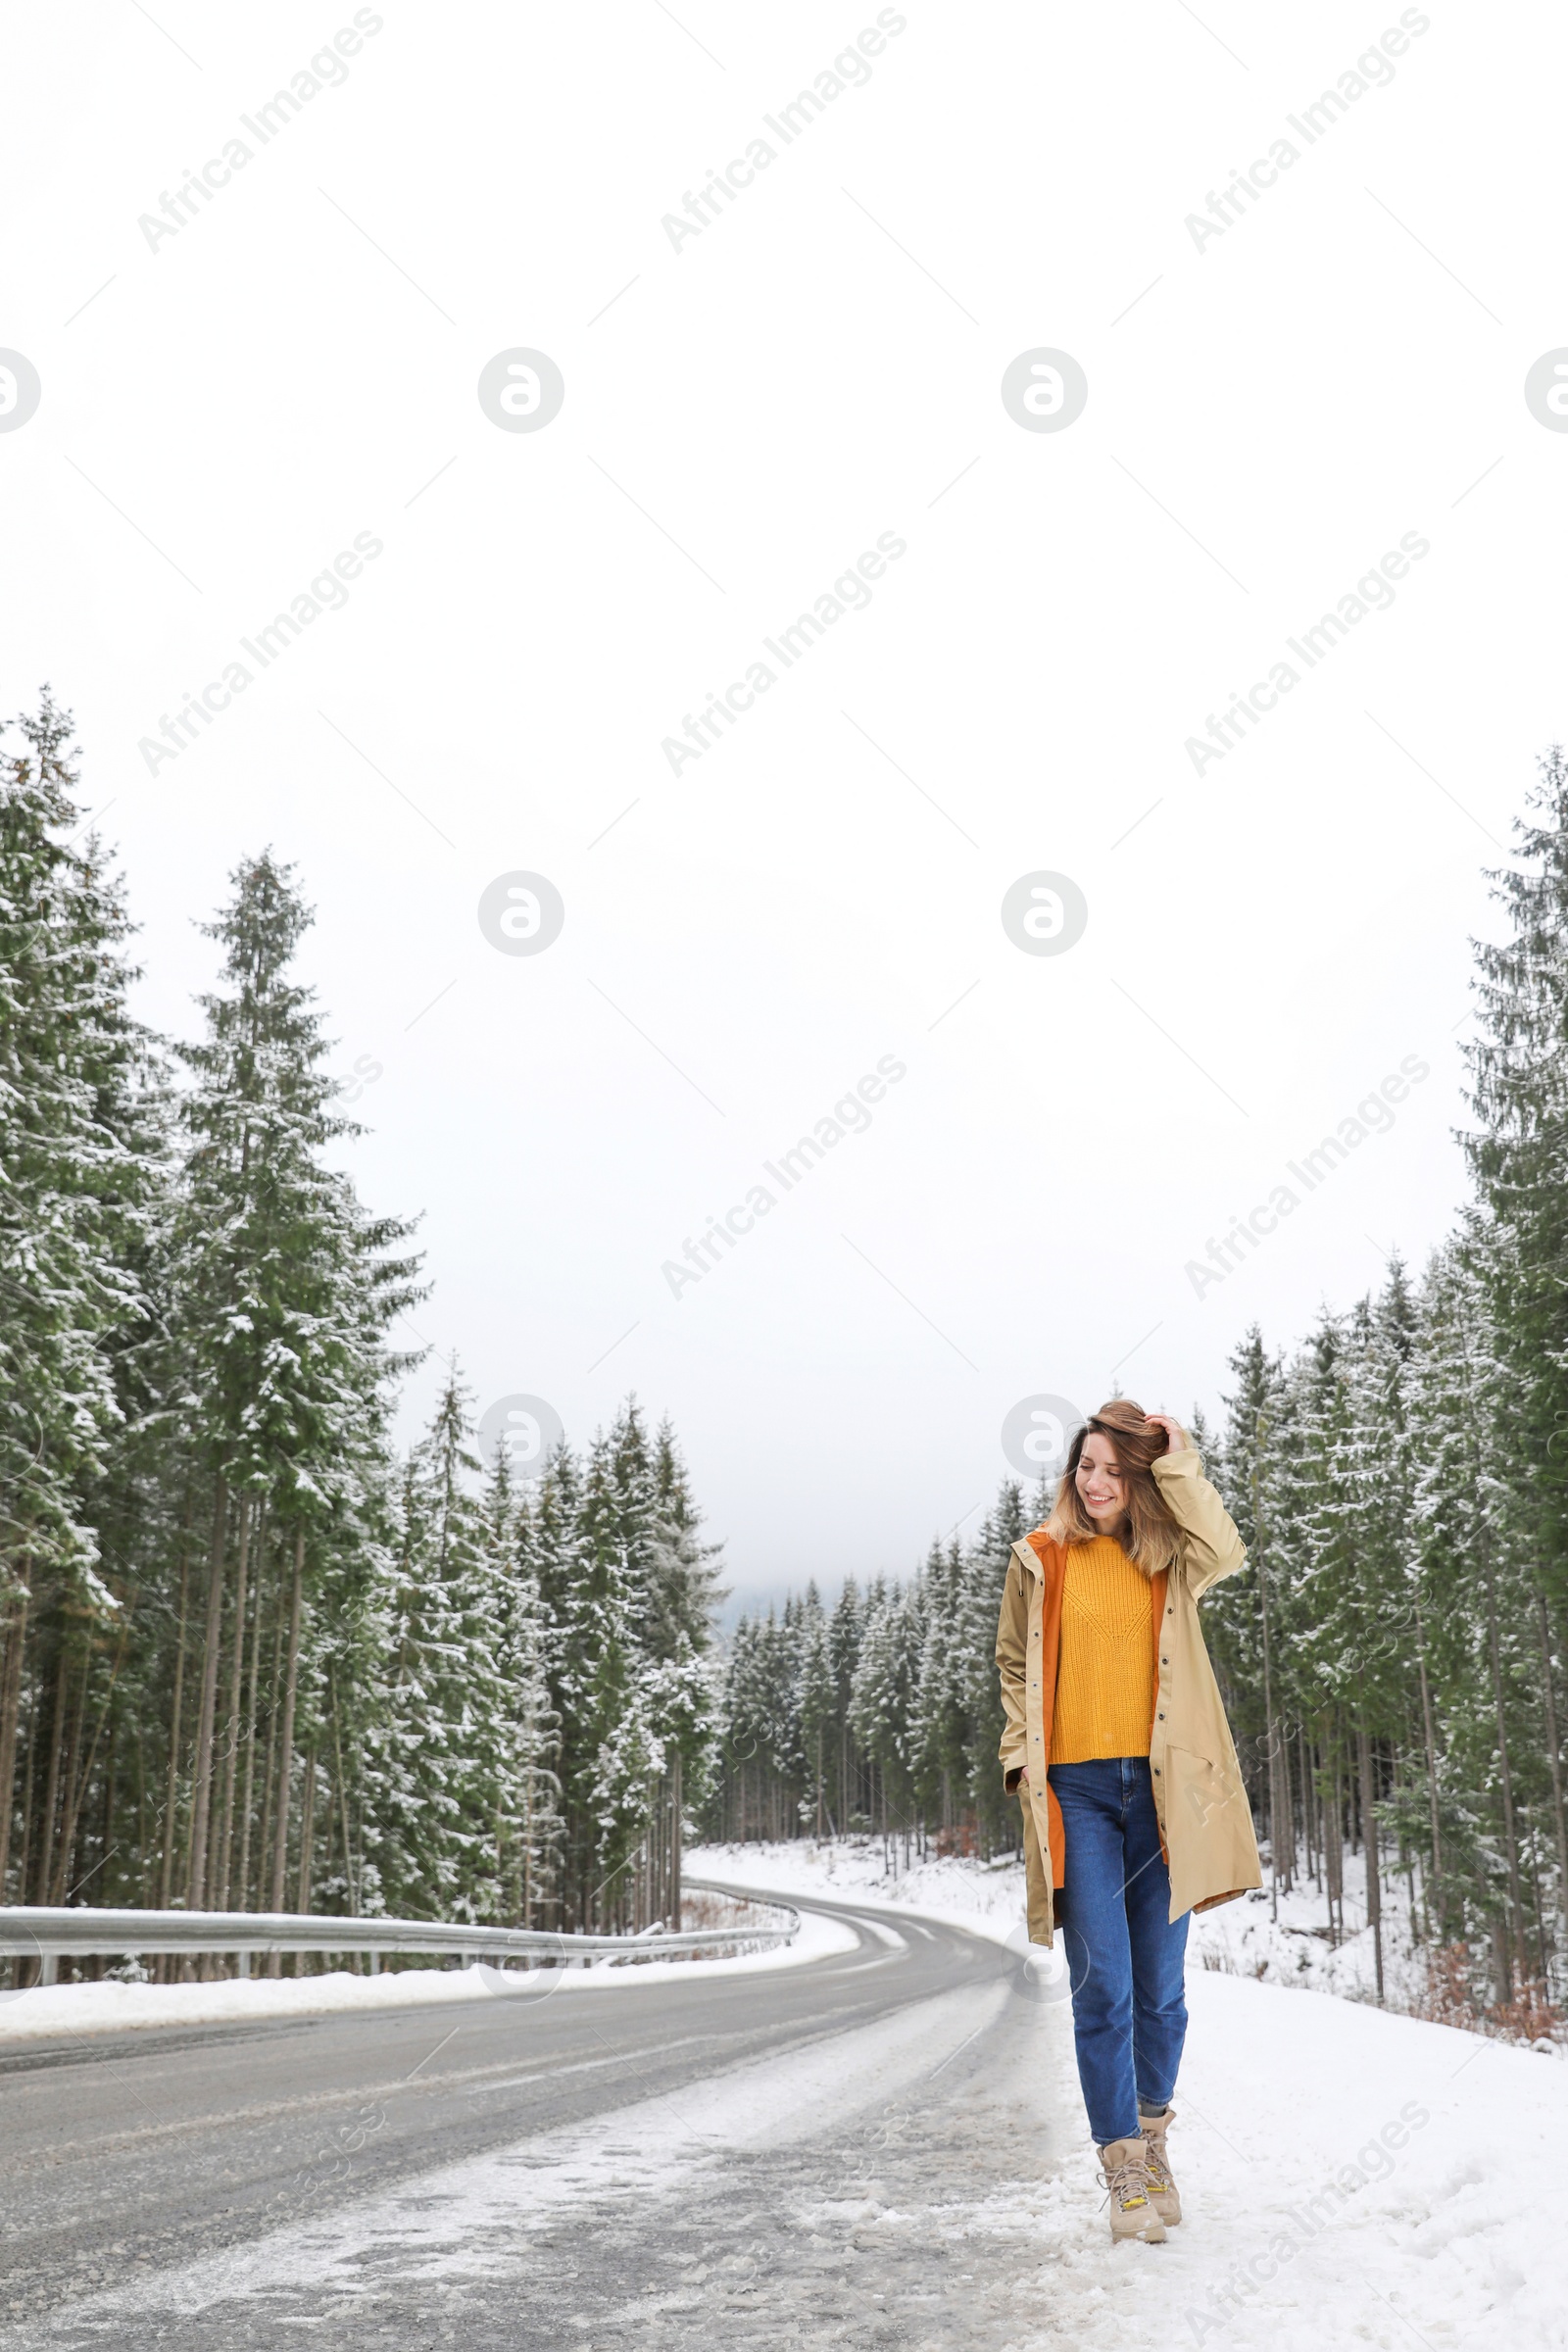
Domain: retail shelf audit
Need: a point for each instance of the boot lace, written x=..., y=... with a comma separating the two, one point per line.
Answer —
x=1158, y=2170
x=1128, y=2183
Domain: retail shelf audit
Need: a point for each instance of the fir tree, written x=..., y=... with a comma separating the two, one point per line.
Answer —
x=79, y=1177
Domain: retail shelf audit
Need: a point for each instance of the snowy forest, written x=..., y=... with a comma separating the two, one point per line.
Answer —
x=1392, y=1661
x=253, y=1657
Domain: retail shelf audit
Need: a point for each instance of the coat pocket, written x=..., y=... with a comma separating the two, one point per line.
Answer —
x=1205, y=1802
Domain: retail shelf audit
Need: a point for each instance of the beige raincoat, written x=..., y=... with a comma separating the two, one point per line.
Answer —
x=1206, y=1821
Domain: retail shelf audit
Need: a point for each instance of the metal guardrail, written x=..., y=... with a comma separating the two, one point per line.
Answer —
x=43, y=1933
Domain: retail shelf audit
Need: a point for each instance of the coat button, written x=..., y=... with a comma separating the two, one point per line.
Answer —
x=1161, y=1714
x=1157, y=1771
x=1165, y=1662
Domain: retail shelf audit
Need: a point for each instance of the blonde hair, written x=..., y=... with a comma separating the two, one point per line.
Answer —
x=1149, y=1536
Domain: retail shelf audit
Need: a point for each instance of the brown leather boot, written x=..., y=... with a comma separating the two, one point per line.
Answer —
x=1125, y=2173
x=1162, y=2187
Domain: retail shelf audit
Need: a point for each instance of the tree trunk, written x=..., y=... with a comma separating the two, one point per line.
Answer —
x=1287, y=1808
x=307, y=1828
x=1405, y=1864
x=28, y=1778
x=532, y=1896
x=1431, y=1743
x=171, y=1793
x=658, y=1856
x=107, y=1824
x=286, y=1766
x=225, y=1834
x=77, y=1780
x=51, y=1796
x=1369, y=1840
x=144, y=1828
x=675, y=1832
x=1510, y=1831
x=1271, y=1745
x=1535, y=1897
x=11, y=1712
x=1334, y=1845
x=328, y=1829
x=107, y=1836
x=72, y=1777
x=242, y=1891
x=269, y=1791
x=201, y=1791
x=349, y=1876
x=1554, y=1750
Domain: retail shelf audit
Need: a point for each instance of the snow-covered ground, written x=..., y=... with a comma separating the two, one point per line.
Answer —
x=1347, y=2178
x=1245, y=1938
x=65, y=2009
x=1350, y=2176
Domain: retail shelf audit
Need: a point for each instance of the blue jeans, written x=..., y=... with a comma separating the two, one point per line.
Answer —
x=1124, y=1957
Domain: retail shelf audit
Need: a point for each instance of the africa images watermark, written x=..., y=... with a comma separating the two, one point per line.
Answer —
x=1373, y=69
x=326, y=593
x=364, y=1075
x=1373, y=593
x=1373, y=1115
x=849, y=593
x=850, y=1114
x=1301, y=2223
x=526, y=1429
x=850, y=69
x=328, y=70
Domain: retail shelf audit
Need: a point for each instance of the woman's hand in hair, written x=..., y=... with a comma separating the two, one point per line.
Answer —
x=1176, y=1436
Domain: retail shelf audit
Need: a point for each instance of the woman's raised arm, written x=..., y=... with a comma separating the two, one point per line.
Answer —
x=1214, y=1549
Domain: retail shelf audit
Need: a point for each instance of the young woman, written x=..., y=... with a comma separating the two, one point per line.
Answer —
x=1116, y=1741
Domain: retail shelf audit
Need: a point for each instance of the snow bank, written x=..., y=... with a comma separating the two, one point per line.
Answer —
x=112, y=2008
x=1243, y=1939
x=986, y=1897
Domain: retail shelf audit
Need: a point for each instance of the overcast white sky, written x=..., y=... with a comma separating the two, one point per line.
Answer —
x=1270, y=410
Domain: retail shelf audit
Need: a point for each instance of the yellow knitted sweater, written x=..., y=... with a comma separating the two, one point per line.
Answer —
x=1106, y=1664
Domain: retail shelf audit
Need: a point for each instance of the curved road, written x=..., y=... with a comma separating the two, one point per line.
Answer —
x=779, y=2157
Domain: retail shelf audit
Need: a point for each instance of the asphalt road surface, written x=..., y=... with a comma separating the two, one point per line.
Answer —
x=788, y=2157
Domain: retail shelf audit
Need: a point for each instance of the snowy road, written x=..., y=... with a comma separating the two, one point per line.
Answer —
x=709, y=2161
x=883, y=2146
